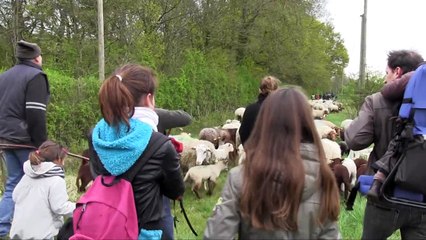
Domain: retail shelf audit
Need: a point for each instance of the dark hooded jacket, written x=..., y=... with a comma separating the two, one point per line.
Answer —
x=161, y=174
x=249, y=118
x=376, y=120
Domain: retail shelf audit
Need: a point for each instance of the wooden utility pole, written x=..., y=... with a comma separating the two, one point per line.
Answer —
x=362, y=62
x=101, y=50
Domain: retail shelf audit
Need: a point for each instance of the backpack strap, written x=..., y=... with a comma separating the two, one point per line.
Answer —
x=156, y=141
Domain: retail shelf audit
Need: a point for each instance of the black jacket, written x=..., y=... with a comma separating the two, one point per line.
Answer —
x=161, y=175
x=24, y=93
x=249, y=118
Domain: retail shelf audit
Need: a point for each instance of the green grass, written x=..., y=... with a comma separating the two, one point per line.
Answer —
x=337, y=118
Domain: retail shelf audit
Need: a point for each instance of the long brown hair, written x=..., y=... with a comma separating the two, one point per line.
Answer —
x=122, y=91
x=274, y=172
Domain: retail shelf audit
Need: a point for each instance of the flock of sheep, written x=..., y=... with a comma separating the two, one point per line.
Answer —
x=204, y=158
x=216, y=148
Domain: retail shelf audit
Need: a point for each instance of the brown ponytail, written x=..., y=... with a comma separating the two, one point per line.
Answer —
x=122, y=91
x=35, y=158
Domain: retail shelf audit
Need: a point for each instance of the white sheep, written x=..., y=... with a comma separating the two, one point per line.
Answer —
x=207, y=155
x=189, y=153
x=239, y=113
x=331, y=149
x=209, y=173
x=222, y=153
x=325, y=131
x=319, y=114
x=351, y=166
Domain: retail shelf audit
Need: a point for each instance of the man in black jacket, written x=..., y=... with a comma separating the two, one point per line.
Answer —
x=24, y=93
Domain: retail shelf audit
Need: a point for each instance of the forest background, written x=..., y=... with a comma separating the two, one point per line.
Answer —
x=209, y=54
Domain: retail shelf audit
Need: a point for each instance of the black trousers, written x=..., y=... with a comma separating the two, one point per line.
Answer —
x=381, y=220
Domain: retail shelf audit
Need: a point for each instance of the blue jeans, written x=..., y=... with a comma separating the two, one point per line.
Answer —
x=381, y=220
x=14, y=164
x=167, y=219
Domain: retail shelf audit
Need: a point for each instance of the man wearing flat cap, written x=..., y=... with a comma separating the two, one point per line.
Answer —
x=24, y=93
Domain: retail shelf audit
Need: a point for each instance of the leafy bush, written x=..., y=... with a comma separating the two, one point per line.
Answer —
x=73, y=107
x=353, y=95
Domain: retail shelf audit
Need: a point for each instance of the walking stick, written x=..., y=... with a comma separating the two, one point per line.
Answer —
x=7, y=145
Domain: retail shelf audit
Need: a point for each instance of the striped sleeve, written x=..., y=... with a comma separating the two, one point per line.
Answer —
x=35, y=105
x=36, y=99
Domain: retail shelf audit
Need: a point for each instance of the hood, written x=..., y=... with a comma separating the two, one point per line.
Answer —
x=394, y=90
x=117, y=147
x=35, y=171
x=310, y=161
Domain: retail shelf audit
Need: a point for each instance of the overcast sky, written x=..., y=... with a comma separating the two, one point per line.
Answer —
x=391, y=25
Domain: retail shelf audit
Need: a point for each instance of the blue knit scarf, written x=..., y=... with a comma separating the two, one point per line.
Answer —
x=119, y=150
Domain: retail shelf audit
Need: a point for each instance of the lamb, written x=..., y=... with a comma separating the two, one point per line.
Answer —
x=331, y=149
x=204, y=153
x=222, y=153
x=209, y=173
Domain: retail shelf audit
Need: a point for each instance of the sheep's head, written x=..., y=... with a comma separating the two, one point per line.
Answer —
x=203, y=154
x=228, y=146
x=332, y=135
x=334, y=162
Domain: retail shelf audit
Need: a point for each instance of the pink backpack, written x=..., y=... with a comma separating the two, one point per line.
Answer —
x=107, y=210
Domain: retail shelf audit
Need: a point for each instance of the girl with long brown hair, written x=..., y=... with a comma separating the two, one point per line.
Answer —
x=284, y=189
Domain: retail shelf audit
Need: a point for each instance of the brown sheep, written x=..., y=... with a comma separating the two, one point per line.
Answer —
x=84, y=176
x=341, y=174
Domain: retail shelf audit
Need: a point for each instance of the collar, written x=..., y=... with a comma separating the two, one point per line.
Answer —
x=146, y=115
x=29, y=63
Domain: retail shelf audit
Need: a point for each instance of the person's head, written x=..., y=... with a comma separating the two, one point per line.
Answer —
x=401, y=62
x=26, y=51
x=268, y=84
x=274, y=172
x=48, y=152
x=130, y=86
